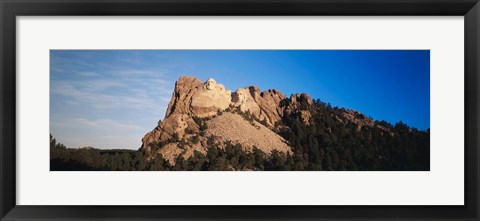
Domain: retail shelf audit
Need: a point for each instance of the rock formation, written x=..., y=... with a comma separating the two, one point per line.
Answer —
x=267, y=105
x=201, y=110
x=192, y=97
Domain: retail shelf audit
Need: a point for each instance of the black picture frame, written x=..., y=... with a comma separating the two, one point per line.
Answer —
x=9, y=210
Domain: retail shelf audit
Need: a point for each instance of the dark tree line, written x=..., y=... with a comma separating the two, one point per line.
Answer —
x=231, y=157
x=62, y=158
x=324, y=143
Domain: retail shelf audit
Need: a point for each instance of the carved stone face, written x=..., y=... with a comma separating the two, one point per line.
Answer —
x=241, y=96
x=210, y=84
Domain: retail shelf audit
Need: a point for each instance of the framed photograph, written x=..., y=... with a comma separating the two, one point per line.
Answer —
x=239, y=110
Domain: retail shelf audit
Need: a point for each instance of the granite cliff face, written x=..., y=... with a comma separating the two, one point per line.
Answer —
x=268, y=105
x=200, y=114
x=195, y=98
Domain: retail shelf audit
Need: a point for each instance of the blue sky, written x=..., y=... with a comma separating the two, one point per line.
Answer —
x=111, y=98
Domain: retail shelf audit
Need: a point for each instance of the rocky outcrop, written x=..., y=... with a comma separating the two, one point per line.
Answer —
x=272, y=105
x=195, y=98
x=267, y=105
x=197, y=105
x=171, y=125
x=181, y=99
x=360, y=120
x=192, y=97
x=299, y=103
x=244, y=99
x=355, y=117
x=210, y=98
